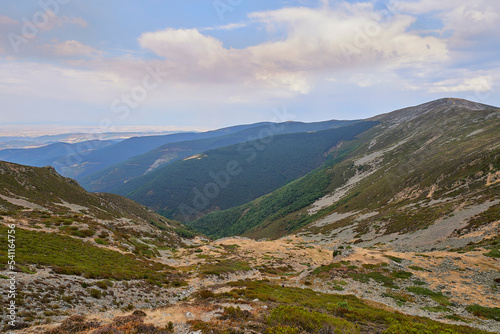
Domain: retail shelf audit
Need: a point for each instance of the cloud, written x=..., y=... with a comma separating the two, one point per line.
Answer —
x=469, y=22
x=478, y=84
x=7, y=20
x=70, y=48
x=184, y=46
x=75, y=20
x=314, y=41
x=230, y=26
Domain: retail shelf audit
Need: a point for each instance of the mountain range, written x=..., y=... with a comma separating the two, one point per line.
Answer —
x=383, y=225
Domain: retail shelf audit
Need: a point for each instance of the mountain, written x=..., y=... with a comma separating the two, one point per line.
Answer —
x=423, y=167
x=394, y=231
x=236, y=174
x=55, y=204
x=120, y=173
x=56, y=155
x=18, y=142
x=134, y=146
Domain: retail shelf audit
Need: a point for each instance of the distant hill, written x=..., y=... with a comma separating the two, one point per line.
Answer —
x=132, y=147
x=56, y=155
x=416, y=168
x=120, y=173
x=13, y=142
x=236, y=174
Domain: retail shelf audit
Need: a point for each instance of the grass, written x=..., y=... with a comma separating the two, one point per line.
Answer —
x=224, y=267
x=438, y=297
x=436, y=309
x=326, y=268
x=376, y=276
x=394, y=258
x=493, y=253
x=309, y=321
x=401, y=274
x=399, y=298
x=70, y=256
x=417, y=268
x=293, y=302
x=484, y=312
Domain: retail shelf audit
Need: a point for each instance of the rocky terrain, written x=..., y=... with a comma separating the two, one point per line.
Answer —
x=397, y=232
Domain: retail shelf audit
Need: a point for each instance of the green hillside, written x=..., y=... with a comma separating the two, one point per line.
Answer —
x=117, y=174
x=40, y=199
x=97, y=160
x=194, y=186
x=417, y=166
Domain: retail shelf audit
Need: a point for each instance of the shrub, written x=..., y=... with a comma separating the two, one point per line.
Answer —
x=283, y=330
x=485, y=312
x=205, y=294
x=235, y=313
x=401, y=274
x=309, y=321
x=95, y=293
x=438, y=297
x=74, y=324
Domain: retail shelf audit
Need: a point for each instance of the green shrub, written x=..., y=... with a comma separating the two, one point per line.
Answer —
x=70, y=256
x=237, y=313
x=438, y=297
x=417, y=268
x=307, y=320
x=104, y=284
x=95, y=293
x=224, y=267
x=402, y=274
x=283, y=330
x=407, y=327
x=493, y=253
x=485, y=312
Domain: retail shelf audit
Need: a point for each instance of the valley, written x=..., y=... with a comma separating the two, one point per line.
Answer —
x=384, y=225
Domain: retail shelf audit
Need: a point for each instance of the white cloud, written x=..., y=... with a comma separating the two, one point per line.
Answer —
x=184, y=46
x=70, y=48
x=230, y=26
x=479, y=84
x=315, y=41
x=469, y=21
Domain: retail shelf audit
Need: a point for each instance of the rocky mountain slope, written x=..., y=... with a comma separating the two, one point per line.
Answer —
x=41, y=200
x=396, y=232
x=432, y=165
x=236, y=174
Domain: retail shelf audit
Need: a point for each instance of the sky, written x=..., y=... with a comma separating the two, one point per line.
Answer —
x=206, y=64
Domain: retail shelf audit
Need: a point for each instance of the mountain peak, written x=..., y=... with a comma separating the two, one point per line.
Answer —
x=451, y=101
x=438, y=105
